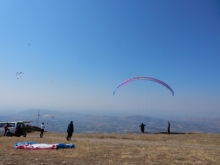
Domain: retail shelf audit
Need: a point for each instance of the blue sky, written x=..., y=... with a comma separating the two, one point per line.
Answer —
x=74, y=53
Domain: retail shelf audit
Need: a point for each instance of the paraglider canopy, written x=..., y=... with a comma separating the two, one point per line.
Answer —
x=144, y=78
x=19, y=73
x=48, y=116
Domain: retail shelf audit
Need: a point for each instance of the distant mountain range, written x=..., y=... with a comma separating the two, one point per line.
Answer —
x=112, y=124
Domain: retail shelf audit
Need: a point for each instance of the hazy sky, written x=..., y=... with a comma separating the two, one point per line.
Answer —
x=73, y=54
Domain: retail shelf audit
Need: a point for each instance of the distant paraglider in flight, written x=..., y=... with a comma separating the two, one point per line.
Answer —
x=144, y=78
x=18, y=73
x=48, y=116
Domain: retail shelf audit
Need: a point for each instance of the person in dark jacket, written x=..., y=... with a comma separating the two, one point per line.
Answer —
x=168, y=128
x=142, y=127
x=70, y=130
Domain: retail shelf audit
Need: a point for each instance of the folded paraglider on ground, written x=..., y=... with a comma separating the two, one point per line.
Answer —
x=37, y=146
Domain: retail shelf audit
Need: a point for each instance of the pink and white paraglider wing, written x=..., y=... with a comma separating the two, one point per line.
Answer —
x=144, y=78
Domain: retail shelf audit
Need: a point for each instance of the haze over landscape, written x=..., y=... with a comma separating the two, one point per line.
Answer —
x=73, y=54
x=75, y=59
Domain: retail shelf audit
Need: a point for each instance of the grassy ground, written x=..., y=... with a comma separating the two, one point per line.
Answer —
x=123, y=149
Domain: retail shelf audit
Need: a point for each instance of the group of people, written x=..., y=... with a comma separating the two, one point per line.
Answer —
x=70, y=130
x=142, y=126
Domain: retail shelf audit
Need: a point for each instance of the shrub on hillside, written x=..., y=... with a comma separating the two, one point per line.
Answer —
x=29, y=128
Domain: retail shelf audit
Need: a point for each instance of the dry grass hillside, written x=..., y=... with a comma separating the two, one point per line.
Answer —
x=123, y=149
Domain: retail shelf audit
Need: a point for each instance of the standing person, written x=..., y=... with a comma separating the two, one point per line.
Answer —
x=70, y=130
x=142, y=127
x=168, y=128
x=5, y=128
x=42, y=130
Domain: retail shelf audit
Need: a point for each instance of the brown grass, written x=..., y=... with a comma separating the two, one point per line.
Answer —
x=123, y=149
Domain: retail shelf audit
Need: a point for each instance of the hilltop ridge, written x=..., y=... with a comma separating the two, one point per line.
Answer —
x=87, y=123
